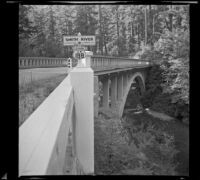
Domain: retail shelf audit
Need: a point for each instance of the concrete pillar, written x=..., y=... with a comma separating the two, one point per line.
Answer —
x=125, y=81
x=120, y=87
x=96, y=96
x=129, y=76
x=82, y=81
x=113, y=90
x=105, y=82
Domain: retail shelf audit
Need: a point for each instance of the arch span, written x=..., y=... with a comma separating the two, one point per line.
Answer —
x=141, y=79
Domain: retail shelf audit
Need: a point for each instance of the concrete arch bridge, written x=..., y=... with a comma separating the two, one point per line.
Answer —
x=66, y=117
x=112, y=88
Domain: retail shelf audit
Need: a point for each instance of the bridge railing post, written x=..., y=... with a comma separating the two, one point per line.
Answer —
x=82, y=81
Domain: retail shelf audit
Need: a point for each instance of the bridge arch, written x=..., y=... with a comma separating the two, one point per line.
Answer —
x=141, y=80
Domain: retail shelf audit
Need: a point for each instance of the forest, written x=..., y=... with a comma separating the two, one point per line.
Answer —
x=159, y=33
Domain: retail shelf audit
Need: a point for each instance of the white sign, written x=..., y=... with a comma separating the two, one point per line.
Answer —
x=70, y=40
x=79, y=40
x=79, y=48
x=79, y=54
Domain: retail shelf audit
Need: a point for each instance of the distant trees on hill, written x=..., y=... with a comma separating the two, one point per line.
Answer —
x=120, y=30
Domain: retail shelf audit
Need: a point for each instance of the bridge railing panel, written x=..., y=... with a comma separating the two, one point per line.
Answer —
x=109, y=61
x=97, y=62
x=29, y=62
x=43, y=136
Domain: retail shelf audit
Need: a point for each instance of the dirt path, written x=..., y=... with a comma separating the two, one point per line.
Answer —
x=161, y=116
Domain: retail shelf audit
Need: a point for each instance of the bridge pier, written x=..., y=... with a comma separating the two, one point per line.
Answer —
x=125, y=82
x=105, y=82
x=113, y=91
x=120, y=87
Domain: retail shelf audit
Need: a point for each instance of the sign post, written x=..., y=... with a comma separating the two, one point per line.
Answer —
x=79, y=42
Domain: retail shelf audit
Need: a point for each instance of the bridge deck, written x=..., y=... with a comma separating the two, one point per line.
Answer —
x=106, y=70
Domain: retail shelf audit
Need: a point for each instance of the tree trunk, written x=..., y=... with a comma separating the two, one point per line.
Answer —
x=117, y=23
x=132, y=30
x=100, y=31
x=151, y=26
x=138, y=34
x=170, y=19
x=145, y=21
x=106, y=51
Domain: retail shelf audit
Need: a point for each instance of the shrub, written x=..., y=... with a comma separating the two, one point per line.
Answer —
x=158, y=147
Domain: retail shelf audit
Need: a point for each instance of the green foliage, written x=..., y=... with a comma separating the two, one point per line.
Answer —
x=132, y=146
x=173, y=79
x=153, y=85
x=157, y=148
x=26, y=27
x=119, y=29
x=85, y=21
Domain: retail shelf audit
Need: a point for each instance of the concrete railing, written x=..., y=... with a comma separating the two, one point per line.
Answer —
x=106, y=61
x=32, y=62
x=43, y=136
x=97, y=62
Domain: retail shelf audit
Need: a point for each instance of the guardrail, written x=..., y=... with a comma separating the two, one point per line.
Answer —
x=106, y=61
x=32, y=62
